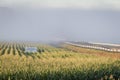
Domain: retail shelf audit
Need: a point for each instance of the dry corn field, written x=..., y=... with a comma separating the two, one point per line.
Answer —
x=51, y=63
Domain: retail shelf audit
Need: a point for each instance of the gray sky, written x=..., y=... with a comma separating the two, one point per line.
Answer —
x=85, y=4
x=44, y=20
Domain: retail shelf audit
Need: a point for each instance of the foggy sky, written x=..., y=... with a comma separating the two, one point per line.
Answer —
x=82, y=4
x=59, y=24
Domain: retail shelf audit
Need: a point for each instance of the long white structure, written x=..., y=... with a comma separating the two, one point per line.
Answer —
x=98, y=46
x=108, y=44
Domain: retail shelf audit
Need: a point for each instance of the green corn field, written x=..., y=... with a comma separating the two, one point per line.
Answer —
x=51, y=63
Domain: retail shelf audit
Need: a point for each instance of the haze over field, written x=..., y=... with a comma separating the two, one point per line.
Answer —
x=43, y=20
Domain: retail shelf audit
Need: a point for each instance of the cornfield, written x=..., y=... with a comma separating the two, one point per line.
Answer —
x=51, y=63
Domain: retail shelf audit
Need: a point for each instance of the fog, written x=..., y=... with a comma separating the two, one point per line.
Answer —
x=61, y=24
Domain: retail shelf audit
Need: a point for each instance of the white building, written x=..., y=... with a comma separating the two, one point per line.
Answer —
x=31, y=49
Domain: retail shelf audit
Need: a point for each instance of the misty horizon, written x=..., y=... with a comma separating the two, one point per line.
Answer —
x=59, y=25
